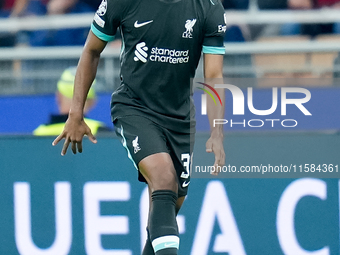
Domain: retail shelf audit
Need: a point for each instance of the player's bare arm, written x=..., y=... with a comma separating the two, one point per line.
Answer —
x=213, y=73
x=75, y=127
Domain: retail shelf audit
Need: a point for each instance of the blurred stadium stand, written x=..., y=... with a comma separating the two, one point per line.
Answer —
x=36, y=70
x=26, y=70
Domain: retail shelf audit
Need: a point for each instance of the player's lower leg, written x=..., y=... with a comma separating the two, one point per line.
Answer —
x=159, y=172
x=163, y=230
x=148, y=249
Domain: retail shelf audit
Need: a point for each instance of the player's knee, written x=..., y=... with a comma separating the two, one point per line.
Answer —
x=165, y=180
x=163, y=228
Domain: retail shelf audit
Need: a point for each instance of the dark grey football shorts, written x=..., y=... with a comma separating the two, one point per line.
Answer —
x=143, y=137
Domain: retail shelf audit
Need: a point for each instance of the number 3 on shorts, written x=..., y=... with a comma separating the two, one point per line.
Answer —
x=186, y=160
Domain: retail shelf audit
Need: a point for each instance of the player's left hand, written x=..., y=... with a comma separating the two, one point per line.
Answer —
x=215, y=145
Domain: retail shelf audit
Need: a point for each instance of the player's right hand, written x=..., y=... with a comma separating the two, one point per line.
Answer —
x=73, y=132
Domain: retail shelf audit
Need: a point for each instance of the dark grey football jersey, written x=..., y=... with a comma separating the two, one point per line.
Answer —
x=162, y=45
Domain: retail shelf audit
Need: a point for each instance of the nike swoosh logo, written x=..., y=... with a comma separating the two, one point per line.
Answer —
x=137, y=25
x=166, y=245
x=185, y=184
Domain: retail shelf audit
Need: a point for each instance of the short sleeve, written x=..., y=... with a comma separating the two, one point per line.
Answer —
x=215, y=28
x=107, y=19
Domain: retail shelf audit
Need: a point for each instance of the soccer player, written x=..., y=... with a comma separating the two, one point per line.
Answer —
x=152, y=110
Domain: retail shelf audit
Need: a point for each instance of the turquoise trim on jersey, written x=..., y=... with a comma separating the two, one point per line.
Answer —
x=101, y=35
x=213, y=50
x=125, y=146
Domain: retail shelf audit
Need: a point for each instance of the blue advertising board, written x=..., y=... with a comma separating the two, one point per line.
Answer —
x=92, y=203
